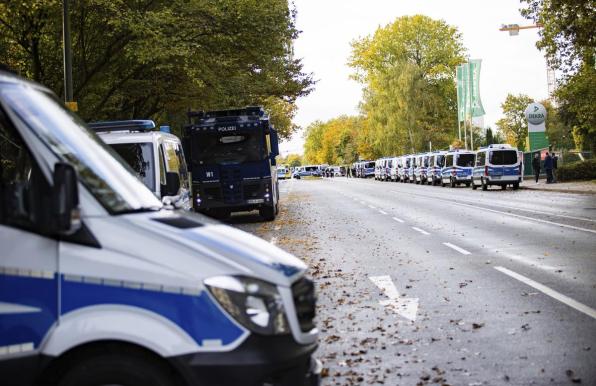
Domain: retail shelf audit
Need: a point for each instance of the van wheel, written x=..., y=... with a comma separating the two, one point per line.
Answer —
x=516, y=186
x=452, y=183
x=484, y=185
x=443, y=183
x=503, y=187
x=132, y=369
x=467, y=184
x=268, y=213
x=474, y=186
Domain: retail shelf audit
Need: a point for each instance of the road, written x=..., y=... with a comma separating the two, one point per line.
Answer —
x=431, y=285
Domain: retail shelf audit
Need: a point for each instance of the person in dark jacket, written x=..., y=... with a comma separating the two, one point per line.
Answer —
x=536, y=166
x=548, y=166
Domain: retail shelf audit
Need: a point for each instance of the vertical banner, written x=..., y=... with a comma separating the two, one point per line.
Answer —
x=475, y=104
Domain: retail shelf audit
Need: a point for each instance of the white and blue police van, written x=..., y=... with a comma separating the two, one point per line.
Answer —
x=404, y=171
x=420, y=171
x=156, y=157
x=436, y=161
x=394, y=169
x=458, y=168
x=100, y=285
x=412, y=168
x=498, y=164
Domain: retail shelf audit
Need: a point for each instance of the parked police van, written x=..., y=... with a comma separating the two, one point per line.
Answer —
x=436, y=161
x=394, y=168
x=497, y=165
x=421, y=166
x=458, y=168
x=156, y=157
x=404, y=171
x=99, y=285
x=412, y=169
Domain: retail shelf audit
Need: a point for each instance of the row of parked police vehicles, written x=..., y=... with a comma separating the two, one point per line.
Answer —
x=110, y=273
x=498, y=164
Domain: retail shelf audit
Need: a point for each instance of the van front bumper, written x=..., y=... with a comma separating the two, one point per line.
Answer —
x=258, y=361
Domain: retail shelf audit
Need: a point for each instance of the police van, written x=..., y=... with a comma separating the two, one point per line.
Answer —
x=404, y=171
x=421, y=166
x=436, y=161
x=497, y=164
x=412, y=168
x=99, y=285
x=155, y=156
x=394, y=168
x=458, y=168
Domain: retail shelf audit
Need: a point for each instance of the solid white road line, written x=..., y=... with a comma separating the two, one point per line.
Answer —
x=382, y=212
x=398, y=219
x=550, y=292
x=421, y=231
x=460, y=250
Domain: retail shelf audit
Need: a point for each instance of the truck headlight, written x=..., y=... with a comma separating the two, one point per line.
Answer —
x=255, y=304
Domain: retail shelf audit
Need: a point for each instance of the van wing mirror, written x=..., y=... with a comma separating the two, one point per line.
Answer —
x=65, y=199
x=172, y=185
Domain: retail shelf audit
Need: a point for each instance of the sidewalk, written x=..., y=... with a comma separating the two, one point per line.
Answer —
x=580, y=187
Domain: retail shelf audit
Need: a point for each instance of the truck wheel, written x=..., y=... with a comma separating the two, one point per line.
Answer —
x=118, y=369
x=268, y=213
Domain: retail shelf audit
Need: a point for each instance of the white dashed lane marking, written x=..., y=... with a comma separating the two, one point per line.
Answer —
x=455, y=247
x=398, y=220
x=421, y=231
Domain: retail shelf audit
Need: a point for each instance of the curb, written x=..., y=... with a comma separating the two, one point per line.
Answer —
x=572, y=191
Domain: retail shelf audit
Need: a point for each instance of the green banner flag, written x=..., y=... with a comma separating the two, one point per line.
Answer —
x=475, y=104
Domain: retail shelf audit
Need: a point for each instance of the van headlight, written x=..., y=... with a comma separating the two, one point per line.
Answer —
x=255, y=304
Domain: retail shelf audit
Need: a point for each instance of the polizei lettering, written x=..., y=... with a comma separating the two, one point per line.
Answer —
x=226, y=128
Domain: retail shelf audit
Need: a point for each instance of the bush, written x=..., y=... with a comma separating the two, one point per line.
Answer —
x=582, y=170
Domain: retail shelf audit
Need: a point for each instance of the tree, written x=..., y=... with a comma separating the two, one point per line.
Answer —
x=156, y=59
x=335, y=141
x=567, y=37
x=407, y=69
x=513, y=125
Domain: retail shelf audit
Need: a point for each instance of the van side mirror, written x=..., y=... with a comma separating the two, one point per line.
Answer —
x=172, y=185
x=65, y=200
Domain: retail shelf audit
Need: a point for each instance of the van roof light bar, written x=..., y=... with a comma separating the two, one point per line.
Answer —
x=128, y=125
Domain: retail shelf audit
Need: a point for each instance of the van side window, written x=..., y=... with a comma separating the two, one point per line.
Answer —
x=24, y=191
x=449, y=160
x=162, y=167
x=480, y=158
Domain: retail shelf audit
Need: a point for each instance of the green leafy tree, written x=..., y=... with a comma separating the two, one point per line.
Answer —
x=156, y=59
x=407, y=69
x=567, y=38
x=513, y=125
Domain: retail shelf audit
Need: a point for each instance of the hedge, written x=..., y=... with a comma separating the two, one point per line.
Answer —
x=582, y=170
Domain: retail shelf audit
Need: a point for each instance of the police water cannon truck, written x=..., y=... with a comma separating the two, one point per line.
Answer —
x=231, y=155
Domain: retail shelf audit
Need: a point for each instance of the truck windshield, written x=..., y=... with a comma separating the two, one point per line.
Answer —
x=99, y=169
x=225, y=148
x=503, y=157
x=139, y=156
x=465, y=160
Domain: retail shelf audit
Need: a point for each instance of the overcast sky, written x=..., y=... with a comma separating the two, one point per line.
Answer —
x=509, y=63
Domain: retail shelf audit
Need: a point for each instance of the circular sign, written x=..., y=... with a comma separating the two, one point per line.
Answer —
x=535, y=113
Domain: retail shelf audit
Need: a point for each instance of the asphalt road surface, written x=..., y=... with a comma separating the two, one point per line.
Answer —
x=431, y=285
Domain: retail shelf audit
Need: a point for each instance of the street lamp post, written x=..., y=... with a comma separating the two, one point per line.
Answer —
x=68, y=93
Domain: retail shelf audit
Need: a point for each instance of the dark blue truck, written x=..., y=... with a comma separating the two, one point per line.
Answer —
x=231, y=156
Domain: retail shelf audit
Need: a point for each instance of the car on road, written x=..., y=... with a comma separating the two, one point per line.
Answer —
x=367, y=169
x=436, y=161
x=458, y=168
x=156, y=157
x=497, y=165
x=307, y=171
x=100, y=285
x=283, y=172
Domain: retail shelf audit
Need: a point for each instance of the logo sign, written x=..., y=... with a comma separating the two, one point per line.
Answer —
x=535, y=113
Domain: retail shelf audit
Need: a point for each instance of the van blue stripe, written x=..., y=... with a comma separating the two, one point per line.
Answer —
x=195, y=314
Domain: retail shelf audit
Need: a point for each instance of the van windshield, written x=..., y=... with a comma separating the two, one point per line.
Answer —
x=139, y=156
x=103, y=173
x=465, y=160
x=503, y=157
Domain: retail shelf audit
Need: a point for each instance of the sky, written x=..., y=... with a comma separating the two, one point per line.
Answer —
x=510, y=64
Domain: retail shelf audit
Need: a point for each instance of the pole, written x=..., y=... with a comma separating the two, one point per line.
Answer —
x=470, y=79
x=68, y=97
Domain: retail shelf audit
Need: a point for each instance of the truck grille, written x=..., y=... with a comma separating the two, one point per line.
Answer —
x=303, y=292
x=231, y=185
x=252, y=191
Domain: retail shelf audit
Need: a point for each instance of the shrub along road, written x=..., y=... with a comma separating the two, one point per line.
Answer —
x=422, y=284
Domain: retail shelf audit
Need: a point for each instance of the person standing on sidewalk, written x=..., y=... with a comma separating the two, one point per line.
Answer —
x=536, y=166
x=548, y=166
x=555, y=162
